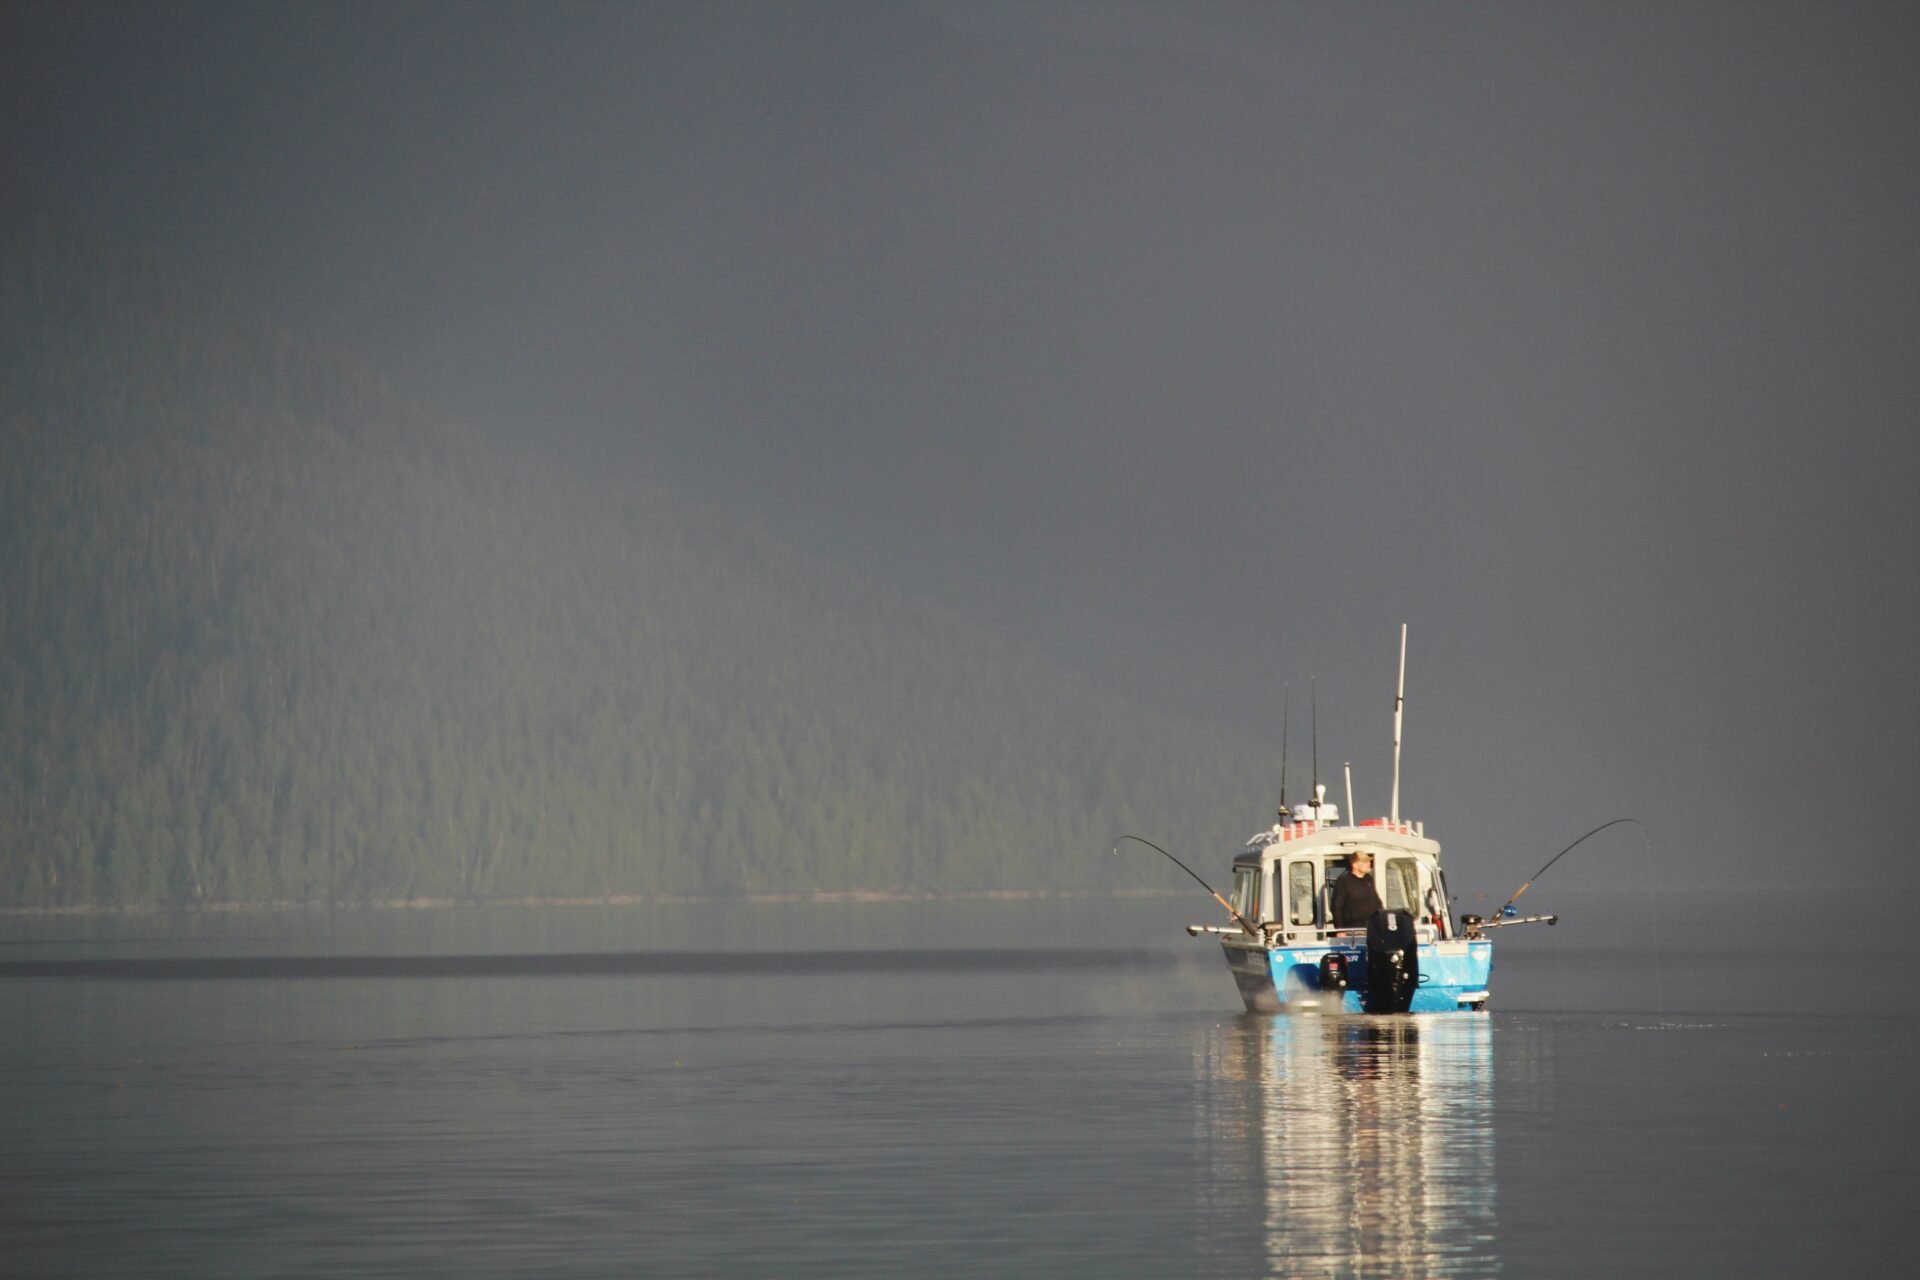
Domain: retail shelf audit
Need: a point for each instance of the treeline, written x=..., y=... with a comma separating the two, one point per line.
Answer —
x=270, y=633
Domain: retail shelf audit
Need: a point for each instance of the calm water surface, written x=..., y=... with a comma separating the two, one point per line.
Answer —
x=1697, y=1087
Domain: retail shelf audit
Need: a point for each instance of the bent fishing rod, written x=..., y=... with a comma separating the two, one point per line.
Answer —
x=1238, y=918
x=1506, y=911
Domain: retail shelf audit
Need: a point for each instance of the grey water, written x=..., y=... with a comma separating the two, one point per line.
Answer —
x=1672, y=1085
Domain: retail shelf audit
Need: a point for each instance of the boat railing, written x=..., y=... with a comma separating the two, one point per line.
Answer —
x=1271, y=931
x=1300, y=830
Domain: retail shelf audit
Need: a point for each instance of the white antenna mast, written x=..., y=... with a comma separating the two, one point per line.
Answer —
x=1399, y=697
x=1350, y=818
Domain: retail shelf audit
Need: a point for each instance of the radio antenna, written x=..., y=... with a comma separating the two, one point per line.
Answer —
x=1399, y=697
x=1286, y=707
x=1316, y=748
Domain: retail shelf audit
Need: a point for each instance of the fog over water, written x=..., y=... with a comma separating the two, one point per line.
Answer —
x=1190, y=348
x=1198, y=345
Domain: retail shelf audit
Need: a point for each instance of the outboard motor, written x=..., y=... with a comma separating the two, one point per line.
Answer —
x=1333, y=973
x=1393, y=962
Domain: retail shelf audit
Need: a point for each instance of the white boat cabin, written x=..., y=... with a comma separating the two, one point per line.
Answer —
x=1284, y=881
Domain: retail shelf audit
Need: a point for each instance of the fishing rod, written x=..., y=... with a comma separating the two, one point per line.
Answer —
x=1472, y=927
x=1506, y=912
x=1240, y=919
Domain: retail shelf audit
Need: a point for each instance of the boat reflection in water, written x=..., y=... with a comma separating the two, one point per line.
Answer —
x=1351, y=1146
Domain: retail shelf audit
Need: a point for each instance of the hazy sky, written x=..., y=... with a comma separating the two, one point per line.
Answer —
x=1200, y=344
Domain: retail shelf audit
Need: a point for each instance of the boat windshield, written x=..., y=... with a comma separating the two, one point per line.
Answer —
x=1400, y=886
x=1300, y=894
x=1246, y=892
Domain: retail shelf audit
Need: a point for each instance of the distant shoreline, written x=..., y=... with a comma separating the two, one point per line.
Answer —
x=611, y=900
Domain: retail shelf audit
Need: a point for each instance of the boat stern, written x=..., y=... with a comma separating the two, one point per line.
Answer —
x=1454, y=976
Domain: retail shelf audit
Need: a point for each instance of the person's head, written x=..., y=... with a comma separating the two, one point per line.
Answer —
x=1360, y=863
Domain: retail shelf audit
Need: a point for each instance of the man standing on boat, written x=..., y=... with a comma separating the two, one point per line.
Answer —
x=1355, y=900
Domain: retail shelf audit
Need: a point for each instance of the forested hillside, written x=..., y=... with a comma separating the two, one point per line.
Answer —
x=272, y=633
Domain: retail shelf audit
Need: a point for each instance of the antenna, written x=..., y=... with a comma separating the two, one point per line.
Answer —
x=1399, y=697
x=1286, y=708
x=1350, y=819
x=1316, y=744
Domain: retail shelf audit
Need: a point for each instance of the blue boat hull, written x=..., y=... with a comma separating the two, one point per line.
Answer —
x=1453, y=976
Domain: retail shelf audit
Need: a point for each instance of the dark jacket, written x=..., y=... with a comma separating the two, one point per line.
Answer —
x=1355, y=901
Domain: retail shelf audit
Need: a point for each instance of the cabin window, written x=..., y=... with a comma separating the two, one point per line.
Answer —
x=1246, y=892
x=1400, y=886
x=1300, y=904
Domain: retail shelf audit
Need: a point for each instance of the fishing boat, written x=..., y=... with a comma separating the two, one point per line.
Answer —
x=1284, y=948
x=1285, y=953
